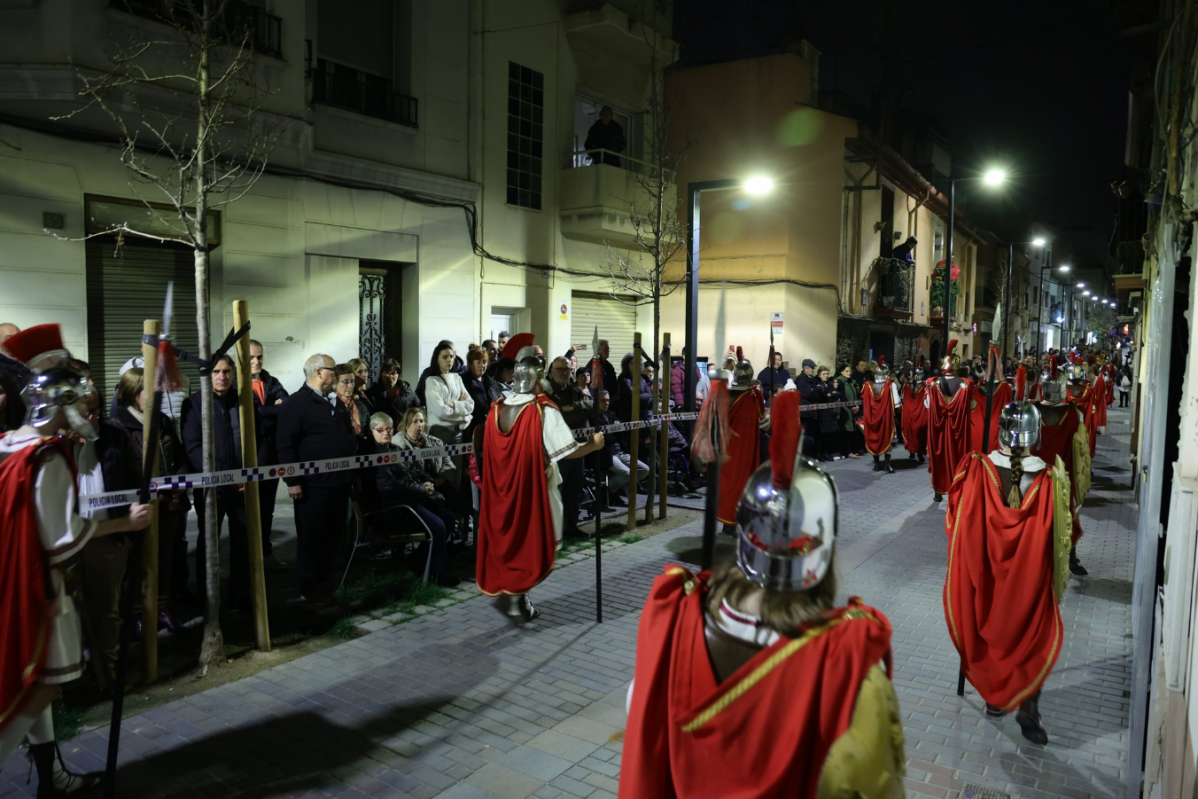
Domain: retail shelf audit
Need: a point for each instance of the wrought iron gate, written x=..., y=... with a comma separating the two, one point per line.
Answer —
x=372, y=336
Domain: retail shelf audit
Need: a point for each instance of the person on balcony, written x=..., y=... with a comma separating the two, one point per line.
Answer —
x=605, y=139
x=905, y=251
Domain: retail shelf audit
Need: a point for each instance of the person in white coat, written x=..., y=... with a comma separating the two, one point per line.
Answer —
x=450, y=407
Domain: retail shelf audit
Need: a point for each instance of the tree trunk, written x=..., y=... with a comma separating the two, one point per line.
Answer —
x=212, y=649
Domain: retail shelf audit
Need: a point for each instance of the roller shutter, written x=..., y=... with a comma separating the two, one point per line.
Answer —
x=616, y=321
x=125, y=287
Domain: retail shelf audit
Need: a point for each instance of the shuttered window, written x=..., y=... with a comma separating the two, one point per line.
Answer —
x=127, y=285
x=616, y=321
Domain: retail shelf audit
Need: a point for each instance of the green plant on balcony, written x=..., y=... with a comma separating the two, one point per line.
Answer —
x=936, y=293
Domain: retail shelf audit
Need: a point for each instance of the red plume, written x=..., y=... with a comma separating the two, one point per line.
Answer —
x=517, y=343
x=919, y=363
x=31, y=342
x=740, y=355
x=881, y=360
x=1021, y=382
x=711, y=428
x=784, y=437
x=167, y=377
x=1052, y=367
x=952, y=345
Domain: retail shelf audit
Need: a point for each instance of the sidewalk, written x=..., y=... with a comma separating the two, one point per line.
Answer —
x=458, y=704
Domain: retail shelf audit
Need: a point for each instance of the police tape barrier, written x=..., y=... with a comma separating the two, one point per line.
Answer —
x=231, y=477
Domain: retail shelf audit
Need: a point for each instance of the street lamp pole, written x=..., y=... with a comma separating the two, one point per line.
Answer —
x=693, y=190
x=948, y=263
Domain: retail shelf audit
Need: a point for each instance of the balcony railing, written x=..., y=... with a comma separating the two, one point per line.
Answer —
x=597, y=156
x=354, y=90
x=239, y=19
x=895, y=284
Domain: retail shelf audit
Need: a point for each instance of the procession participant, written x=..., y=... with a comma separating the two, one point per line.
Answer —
x=750, y=681
x=1035, y=388
x=520, y=521
x=746, y=417
x=915, y=414
x=1101, y=384
x=1002, y=394
x=1078, y=392
x=948, y=401
x=1063, y=435
x=44, y=535
x=879, y=400
x=1008, y=527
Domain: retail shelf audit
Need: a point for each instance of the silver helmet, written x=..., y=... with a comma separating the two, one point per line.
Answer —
x=1053, y=390
x=1077, y=372
x=530, y=369
x=743, y=374
x=1019, y=425
x=786, y=535
x=55, y=384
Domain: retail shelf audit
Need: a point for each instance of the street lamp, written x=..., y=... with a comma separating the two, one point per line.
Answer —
x=993, y=177
x=1063, y=267
x=1039, y=241
x=1081, y=285
x=756, y=185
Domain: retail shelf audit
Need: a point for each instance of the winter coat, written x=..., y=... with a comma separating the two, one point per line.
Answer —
x=226, y=427
x=268, y=417
x=575, y=406
x=172, y=457
x=829, y=418
x=437, y=466
x=381, y=402
x=312, y=429
x=459, y=367
x=848, y=392
x=810, y=391
x=477, y=389
x=396, y=483
x=780, y=376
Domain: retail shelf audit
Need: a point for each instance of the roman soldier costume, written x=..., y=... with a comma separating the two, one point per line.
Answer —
x=1080, y=394
x=746, y=417
x=520, y=523
x=949, y=402
x=1008, y=526
x=1064, y=435
x=880, y=398
x=915, y=414
x=723, y=704
x=43, y=536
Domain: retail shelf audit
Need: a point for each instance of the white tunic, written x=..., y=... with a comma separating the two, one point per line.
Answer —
x=558, y=442
x=63, y=534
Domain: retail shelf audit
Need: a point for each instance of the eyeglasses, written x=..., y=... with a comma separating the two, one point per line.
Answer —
x=387, y=430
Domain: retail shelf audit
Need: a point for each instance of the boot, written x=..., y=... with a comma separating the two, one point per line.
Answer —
x=53, y=779
x=527, y=611
x=889, y=467
x=910, y=456
x=729, y=529
x=1029, y=721
x=166, y=619
x=922, y=458
x=1075, y=566
x=877, y=464
x=937, y=497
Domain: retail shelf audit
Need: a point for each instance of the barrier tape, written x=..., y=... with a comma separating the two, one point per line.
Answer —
x=169, y=482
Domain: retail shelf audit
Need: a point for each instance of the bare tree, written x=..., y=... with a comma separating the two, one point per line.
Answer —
x=185, y=106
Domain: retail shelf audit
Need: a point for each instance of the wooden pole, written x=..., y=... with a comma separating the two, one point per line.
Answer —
x=249, y=460
x=634, y=436
x=664, y=433
x=149, y=547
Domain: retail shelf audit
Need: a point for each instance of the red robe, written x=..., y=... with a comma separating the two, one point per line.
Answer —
x=763, y=732
x=915, y=420
x=1086, y=404
x=744, y=450
x=1003, y=394
x=1109, y=373
x=26, y=595
x=1101, y=386
x=948, y=431
x=877, y=406
x=1056, y=441
x=1035, y=392
x=1002, y=614
x=516, y=541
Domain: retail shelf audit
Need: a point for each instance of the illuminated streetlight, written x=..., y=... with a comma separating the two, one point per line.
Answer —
x=759, y=184
x=1081, y=285
x=1086, y=293
x=995, y=177
x=1064, y=267
x=1038, y=241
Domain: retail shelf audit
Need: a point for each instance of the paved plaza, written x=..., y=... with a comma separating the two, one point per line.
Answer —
x=458, y=704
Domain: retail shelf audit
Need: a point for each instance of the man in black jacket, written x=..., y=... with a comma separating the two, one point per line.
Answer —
x=607, y=370
x=268, y=397
x=312, y=428
x=230, y=500
x=576, y=410
x=809, y=389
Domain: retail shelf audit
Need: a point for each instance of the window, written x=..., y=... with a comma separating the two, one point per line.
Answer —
x=525, y=135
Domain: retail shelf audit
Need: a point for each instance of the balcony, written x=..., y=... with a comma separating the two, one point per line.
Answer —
x=352, y=89
x=598, y=201
x=895, y=283
x=239, y=20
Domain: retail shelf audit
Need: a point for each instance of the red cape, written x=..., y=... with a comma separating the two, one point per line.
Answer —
x=1110, y=384
x=1035, y=392
x=878, y=410
x=948, y=431
x=26, y=593
x=1003, y=394
x=1101, y=389
x=516, y=542
x=998, y=596
x=763, y=732
x=1087, y=405
x=915, y=420
x=744, y=450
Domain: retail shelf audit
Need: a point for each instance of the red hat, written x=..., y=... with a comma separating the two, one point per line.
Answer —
x=33, y=344
x=515, y=344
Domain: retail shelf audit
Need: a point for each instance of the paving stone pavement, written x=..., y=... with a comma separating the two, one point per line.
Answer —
x=457, y=704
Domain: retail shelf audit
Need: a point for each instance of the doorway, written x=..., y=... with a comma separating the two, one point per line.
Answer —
x=380, y=313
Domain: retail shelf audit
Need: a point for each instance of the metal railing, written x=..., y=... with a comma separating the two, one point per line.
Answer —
x=599, y=156
x=895, y=286
x=239, y=19
x=354, y=90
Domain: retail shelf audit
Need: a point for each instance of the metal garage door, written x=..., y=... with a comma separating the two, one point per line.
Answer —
x=125, y=287
x=616, y=321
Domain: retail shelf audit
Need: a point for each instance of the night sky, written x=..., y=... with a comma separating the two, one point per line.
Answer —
x=1040, y=86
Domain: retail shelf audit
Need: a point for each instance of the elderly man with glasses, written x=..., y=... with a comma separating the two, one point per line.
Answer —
x=314, y=426
x=576, y=408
